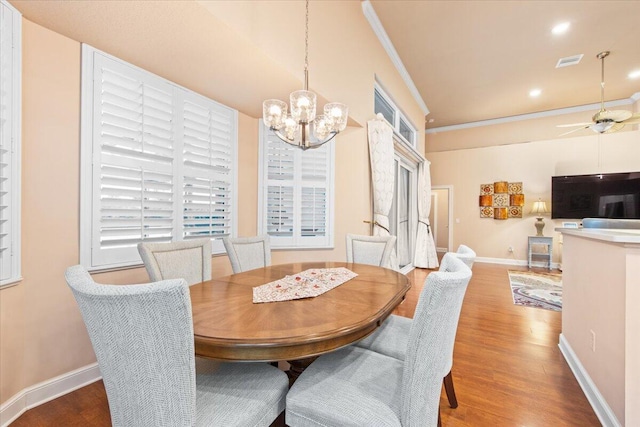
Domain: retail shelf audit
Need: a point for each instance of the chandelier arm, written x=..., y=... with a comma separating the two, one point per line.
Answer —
x=304, y=144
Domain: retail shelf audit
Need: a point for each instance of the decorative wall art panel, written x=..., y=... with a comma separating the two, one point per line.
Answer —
x=500, y=187
x=515, y=211
x=516, y=200
x=515, y=188
x=500, y=213
x=486, y=212
x=486, y=189
x=501, y=200
x=486, y=200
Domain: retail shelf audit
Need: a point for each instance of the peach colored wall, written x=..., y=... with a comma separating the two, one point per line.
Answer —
x=532, y=163
x=42, y=332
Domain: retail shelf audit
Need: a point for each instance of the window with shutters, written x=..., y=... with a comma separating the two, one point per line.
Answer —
x=10, y=106
x=158, y=163
x=296, y=200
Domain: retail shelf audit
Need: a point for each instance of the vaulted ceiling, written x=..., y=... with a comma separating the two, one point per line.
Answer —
x=470, y=60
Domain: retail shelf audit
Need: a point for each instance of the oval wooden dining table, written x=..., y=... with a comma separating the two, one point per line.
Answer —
x=229, y=326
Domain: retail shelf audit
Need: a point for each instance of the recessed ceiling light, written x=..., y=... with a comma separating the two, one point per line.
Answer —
x=634, y=74
x=561, y=28
x=535, y=93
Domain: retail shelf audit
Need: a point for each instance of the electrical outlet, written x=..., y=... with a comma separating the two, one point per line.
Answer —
x=593, y=341
x=510, y=249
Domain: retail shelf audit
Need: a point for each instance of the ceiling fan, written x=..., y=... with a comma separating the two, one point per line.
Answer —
x=605, y=121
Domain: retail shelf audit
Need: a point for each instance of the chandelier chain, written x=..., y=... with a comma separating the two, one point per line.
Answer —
x=306, y=47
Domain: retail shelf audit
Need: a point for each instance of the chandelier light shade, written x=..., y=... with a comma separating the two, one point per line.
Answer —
x=301, y=126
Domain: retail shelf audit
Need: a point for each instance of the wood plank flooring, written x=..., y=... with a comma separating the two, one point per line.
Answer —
x=507, y=369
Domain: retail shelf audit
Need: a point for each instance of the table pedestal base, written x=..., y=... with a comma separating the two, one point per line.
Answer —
x=297, y=367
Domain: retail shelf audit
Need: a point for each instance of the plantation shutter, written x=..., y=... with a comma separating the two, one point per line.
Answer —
x=207, y=169
x=9, y=143
x=158, y=163
x=297, y=187
x=280, y=162
x=133, y=161
x=313, y=197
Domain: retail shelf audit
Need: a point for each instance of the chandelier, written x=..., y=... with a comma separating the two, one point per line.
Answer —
x=302, y=128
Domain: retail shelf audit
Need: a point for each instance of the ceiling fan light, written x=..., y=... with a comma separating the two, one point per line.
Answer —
x=602, y=127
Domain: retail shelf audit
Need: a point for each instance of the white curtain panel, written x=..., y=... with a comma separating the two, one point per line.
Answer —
x=381, y=154
x=426, y=255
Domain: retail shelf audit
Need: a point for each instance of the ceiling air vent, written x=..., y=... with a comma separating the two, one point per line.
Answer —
x=569, y=60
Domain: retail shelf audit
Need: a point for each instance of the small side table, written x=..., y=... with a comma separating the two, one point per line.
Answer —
x=541, y=240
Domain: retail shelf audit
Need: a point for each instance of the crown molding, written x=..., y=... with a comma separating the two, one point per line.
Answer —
x=378, y=29
x=538, y=115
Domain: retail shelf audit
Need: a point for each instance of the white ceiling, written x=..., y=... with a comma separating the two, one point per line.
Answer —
x=478, y=60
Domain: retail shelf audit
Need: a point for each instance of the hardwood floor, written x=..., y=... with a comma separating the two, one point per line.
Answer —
x=507, y=369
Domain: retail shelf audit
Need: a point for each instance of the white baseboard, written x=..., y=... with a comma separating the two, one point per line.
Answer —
x=597, y=401
x=47, y=390
x=511, y=261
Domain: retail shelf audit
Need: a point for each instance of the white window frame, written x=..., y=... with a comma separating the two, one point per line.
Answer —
x=297, y=241
x=398, y=117
x=10, y=261
x=92, y=255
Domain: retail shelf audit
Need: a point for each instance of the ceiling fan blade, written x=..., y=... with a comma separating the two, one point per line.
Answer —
x=616, y=127
x=633, y=119
x=573, y=125
x=615, y=115
x=575, y=130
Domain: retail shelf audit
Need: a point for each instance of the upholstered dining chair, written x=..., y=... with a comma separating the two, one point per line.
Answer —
x=467, y=255
x=189, y=260
x=391, y=338
x=142, y=336
x=355, y=386
x=372, y=250
x=248, y=253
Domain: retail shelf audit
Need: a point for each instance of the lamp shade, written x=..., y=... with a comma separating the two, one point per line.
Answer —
x=539, y=208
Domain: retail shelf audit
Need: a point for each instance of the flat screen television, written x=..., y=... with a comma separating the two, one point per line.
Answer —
x=608, y=195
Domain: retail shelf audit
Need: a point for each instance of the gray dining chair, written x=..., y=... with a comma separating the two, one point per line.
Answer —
x=372, y=250
x=466, y=254
x=188, y=259
x=355, y=386
x=248, y=253
x=391, y=338
x=142, y=336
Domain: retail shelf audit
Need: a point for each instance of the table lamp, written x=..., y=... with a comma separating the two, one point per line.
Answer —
x=539, y=208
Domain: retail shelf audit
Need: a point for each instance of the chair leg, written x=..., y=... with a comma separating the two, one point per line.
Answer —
x=451, y=393
x=439, y=420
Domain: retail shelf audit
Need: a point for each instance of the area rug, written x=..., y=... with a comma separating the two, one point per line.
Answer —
x=541, y=290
